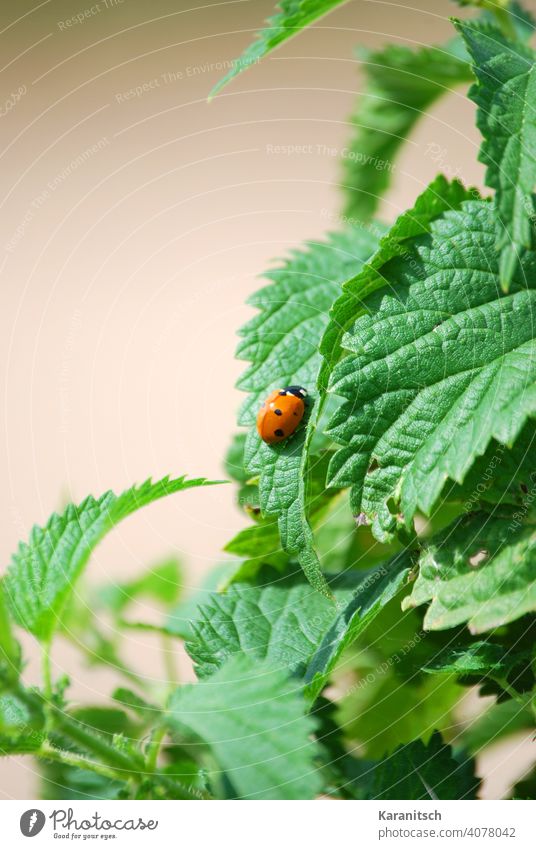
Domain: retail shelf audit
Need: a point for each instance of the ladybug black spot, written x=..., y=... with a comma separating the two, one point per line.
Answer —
x=279, y=432
x=283, y=392
x=278, y=412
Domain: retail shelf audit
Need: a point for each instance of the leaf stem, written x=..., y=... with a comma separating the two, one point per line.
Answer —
x=46, y=671
x=98, y=745
x=517, y=697
x=169, y=665
x=153, y=749
x=79, y=761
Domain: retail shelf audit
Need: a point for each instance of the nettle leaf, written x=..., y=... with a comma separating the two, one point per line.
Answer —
x=438, y=197
x=281, y=619
x=419, y=772
x=440, y=362
x=281, y=343
x=401, y=84
x=480, y=571
x=260, y=543
x=377, y=588
x=21, y=725
x=252, y=716
x=291, y=17
x=43, y=571
x=506, y=96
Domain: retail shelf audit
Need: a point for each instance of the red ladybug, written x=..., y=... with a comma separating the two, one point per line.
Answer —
x=281, y=414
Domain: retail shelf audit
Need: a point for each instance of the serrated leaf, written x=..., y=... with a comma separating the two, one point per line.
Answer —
x=423, y=772
x=377, y=588
x=282, y=344
x=480, y=571
x=440, y=363
x=438, y=197
x=400, y=86
x=291, y=17
x=280, y=619
x=260, y=543
x=505, y=94
x=252, y=716
x=43, y=571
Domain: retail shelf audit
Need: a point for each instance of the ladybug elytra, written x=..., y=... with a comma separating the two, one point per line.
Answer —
x=281, y=414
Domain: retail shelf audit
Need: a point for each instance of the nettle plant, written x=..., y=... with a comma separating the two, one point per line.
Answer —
x=389, y=563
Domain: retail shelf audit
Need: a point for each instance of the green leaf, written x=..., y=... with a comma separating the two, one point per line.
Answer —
x=440, y=363
x=423, y=772
x=135, y=703
x=480, y=571
x=252, y=716
x=291, y=17
x=162, y=582
x=436, y=199
x=376, y=589
x=43, y=571
x=478, y=658
x=401, y=84
x=281, y=342
x=505, y=94
x=21, y=725
x=259, y=543
x=280, y=619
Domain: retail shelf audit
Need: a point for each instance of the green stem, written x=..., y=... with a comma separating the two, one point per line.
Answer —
x=517, y=697
x=47, y=671
x=153, y=749
x=79, y=761
x=169, y=665
x=130, y=765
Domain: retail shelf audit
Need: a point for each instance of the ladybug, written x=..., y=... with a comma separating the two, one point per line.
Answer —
x=281, y=414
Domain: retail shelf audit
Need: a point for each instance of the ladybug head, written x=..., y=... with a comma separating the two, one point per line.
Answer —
x=298, y=391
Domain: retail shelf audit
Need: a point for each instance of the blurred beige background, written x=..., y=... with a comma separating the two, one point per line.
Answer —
x=133, y=228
